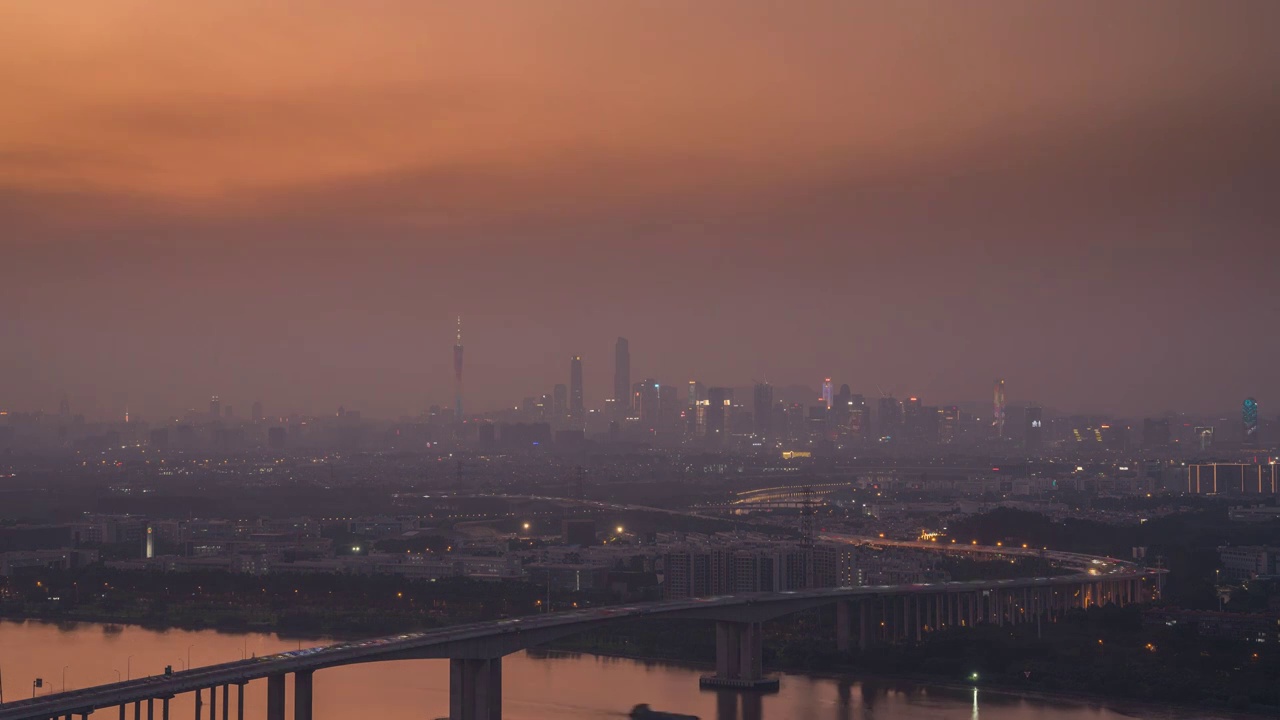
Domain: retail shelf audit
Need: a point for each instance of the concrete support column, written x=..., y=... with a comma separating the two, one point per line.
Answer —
x=301, y=695
x=137, y=710
x=121, y=712
x=864, y=623
x=199, y=704
x=275, y=697
x=164, y=708
x=226, y=702
x=751, y=653
x=240, y=701
x=213, y=703
x=917, y=600
x=728, y=639
x=475, y=689
x=844, y=631
x=151, y=709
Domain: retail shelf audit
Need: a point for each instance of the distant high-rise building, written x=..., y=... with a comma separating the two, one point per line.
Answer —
x=762, y=410
x=64, y=407
x=256, y=411
x=669, y=408
x=215, y=408
x=276, y=438
x=457, y=374
x=576, y=404
x=560, y=401
x=622, y=377
x=719, y=404
x=1249, y=416
x=1034, y=420
x=648, y=403
x=1155, y=433
x=697, y=393
x=859, y=417
x=827, y=397
x=889, y=417
x=913, y=421
x=1204, y=436
x=998, y=410
x=949, y=424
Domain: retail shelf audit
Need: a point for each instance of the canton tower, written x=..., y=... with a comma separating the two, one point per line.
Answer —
x=457, y=374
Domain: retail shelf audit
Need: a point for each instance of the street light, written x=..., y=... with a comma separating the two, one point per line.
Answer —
x=189, y=656
x=64, y=677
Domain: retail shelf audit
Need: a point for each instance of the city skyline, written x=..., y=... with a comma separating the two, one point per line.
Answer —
x=602, y=397
x=916, y=196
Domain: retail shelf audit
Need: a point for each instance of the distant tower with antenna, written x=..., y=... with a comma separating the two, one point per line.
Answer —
x=457, y=374
x=998, y=410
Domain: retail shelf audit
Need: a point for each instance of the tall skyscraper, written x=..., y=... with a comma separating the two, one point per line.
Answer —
x=215, y=408
x=889, y=417
x=949, y=424
x=457, y=375
x=913, y=420
x=697, y=393
x=560, y=401
x=827, y=396
x=575, y=388
x=621, y=377
x=648, y=403
x=719, y=406
x=998, y=410
x=762, y=410
x=1034, y=421
x=1249, y=415
x=859, y=417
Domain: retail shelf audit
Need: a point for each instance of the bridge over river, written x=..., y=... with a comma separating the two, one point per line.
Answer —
x=475, y=651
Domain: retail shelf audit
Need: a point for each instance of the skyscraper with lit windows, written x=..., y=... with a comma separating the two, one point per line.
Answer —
x=1249, y=416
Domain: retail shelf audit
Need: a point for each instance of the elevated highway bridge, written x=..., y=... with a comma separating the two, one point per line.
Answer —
x=864, y=615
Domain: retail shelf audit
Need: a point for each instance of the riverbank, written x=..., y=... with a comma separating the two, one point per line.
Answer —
x=1093, y=659
x=1127, y=707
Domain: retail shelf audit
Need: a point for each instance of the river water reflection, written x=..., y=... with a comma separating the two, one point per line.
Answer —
x=537, y=686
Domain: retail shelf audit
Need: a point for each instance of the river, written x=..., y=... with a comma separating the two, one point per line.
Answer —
x=536, y=686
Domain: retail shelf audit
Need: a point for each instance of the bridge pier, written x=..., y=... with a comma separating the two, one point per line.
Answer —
x=213, y=703
x=301, y=695
x=475, y=689
x=199, y=703
x=226, y=702
x=240, y=701
x=164, y=708
x=275, y=697
x=843, y=630
x=739, y=662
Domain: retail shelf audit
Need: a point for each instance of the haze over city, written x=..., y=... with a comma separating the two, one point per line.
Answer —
x=243, y=199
